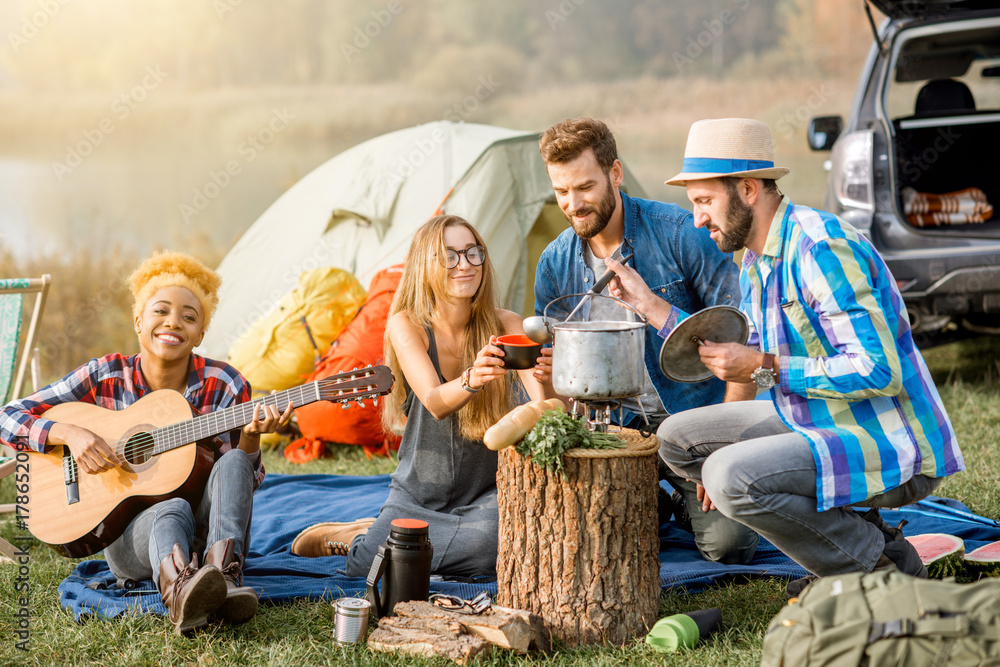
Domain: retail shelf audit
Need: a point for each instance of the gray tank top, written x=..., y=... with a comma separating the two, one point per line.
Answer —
x=437, y=466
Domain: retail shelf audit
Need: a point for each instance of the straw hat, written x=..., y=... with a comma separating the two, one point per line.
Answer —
x=737, y=147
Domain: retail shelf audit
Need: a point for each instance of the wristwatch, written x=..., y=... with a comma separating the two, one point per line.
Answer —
x=764, y=376
x=466, y=377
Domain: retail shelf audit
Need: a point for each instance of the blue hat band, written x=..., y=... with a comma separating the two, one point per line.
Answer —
x=709, y=165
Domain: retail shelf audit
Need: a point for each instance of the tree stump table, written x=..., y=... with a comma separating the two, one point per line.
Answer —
x=580, y=548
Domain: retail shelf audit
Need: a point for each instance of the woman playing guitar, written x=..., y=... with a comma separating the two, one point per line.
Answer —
x=175, y=296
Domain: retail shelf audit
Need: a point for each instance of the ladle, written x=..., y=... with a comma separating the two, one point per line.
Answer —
x=539, y=328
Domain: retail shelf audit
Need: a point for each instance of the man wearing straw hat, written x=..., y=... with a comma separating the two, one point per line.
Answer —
x=853, y=417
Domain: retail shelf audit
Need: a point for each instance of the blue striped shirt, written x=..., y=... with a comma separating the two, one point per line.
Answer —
x=851, y=379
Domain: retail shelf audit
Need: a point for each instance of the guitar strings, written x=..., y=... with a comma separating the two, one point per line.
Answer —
x=167, y=437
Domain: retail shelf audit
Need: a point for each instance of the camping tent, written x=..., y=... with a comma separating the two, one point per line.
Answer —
x=359, y=210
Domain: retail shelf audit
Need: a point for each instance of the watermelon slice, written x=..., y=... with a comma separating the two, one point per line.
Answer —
x=941, y=554
x=983, y=562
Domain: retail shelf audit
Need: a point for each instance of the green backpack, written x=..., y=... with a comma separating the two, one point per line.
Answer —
x=887, y=618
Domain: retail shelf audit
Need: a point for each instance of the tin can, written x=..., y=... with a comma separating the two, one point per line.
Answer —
x=350, y=620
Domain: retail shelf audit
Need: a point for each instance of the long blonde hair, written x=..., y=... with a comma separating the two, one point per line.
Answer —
x=423, y=283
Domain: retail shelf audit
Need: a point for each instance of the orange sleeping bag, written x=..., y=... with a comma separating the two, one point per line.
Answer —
x=359, y=345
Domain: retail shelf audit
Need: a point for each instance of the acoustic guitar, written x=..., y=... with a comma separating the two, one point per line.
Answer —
x=162, y=457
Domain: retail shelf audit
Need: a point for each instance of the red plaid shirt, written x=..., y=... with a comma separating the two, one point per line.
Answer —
x=116, y=382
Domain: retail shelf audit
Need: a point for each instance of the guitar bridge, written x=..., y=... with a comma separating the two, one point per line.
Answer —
x=70, y=477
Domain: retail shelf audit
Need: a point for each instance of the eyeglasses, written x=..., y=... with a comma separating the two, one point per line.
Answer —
x=476, y=605
x=475, y=255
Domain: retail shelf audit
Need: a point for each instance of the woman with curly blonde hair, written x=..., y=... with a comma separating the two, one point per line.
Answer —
x=175, y=296
x=450, y=387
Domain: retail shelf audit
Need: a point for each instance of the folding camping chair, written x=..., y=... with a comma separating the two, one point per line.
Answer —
x=13, y=348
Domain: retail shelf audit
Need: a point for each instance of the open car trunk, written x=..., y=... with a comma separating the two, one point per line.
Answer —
x=943, y=97
x=898, y=9
x=945, y=155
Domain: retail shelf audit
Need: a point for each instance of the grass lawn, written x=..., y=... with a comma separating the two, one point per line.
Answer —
x=968, y=375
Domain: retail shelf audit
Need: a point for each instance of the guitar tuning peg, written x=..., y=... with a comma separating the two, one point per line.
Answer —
x=375, y=401
x=344, y=405
x=360, y=403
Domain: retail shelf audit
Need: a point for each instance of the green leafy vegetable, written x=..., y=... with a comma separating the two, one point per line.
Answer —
x=555, y=434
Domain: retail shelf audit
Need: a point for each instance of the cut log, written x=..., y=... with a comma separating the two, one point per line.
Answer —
x=513, y=629
x=541, y=637
x=580, y=549
x=428, y=637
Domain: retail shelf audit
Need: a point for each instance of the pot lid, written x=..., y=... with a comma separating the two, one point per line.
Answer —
x=679, y=358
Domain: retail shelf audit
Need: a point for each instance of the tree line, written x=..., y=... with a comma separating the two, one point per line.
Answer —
x=58, y=45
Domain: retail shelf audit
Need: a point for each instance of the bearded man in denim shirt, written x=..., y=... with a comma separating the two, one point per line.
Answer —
x=680, y=269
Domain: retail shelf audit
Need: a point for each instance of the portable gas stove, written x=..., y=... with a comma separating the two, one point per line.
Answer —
x=596, y=415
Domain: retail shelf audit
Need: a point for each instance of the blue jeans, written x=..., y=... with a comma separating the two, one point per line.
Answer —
x=762, y=474
x=224, y=514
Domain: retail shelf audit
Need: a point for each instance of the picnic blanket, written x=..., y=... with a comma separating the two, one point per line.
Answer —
x=285, y=504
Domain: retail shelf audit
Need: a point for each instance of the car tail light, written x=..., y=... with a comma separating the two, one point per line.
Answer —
x=852, y=170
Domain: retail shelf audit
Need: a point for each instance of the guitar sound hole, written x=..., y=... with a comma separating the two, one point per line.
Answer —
x=139, y=448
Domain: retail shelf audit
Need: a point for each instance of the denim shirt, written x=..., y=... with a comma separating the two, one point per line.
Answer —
x=680, y=263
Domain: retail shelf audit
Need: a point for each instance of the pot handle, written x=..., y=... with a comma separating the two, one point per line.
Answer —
x=641, y=317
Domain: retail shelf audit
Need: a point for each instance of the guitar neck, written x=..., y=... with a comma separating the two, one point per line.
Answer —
x=343, y=388
x=235, y=417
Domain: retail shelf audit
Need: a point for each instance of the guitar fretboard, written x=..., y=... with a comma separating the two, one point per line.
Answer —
x=348, y=386
x=238, y=416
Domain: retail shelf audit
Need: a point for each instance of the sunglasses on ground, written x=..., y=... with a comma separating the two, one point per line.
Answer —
x=476, y=605
x=475, y=255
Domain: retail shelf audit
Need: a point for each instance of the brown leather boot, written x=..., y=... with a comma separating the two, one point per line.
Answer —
x=241, y=601
x=329, y=538
x=189, y=592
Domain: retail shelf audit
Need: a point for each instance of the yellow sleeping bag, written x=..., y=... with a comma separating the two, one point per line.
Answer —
x=276, y=353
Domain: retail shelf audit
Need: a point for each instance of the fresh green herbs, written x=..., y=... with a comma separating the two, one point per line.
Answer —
x=555, y=434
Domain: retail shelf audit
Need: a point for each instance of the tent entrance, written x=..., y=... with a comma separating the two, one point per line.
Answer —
x=548, y=225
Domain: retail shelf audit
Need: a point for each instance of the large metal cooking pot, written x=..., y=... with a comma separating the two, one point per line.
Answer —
x=602, y=360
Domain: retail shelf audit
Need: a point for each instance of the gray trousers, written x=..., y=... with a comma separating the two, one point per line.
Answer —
x=761, y=474
x=224, y=513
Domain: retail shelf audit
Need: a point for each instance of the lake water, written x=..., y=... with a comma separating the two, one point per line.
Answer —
x=179, y=197
x=140, y=201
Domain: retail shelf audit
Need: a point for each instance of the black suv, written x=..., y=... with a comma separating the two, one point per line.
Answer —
x=925, y=122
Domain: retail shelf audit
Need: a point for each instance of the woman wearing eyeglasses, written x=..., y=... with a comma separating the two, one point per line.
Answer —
x=440, y=343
